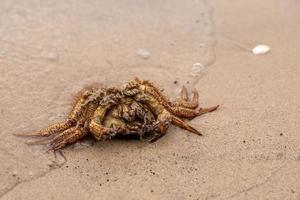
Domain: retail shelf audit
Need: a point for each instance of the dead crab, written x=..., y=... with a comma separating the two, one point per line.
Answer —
x=138, y=108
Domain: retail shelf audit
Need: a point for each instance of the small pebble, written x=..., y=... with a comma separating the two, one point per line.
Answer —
x=260, y=49
x=52, y=56
x=292, y=191
x=14, y=173
x=144, y=53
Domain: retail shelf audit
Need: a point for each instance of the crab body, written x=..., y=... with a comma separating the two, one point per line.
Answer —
x=137, y=108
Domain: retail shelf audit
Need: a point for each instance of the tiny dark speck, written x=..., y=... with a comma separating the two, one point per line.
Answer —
x=244, y=141
x=175, y=82
x=292, y=191
x=281, y=134
x=151, y=191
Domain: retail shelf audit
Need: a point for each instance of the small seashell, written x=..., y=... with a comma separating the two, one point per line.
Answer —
x=144, y=53
x=197, y=69
x=260, y=49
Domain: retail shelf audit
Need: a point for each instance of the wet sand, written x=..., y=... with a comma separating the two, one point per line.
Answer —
x=250, y=148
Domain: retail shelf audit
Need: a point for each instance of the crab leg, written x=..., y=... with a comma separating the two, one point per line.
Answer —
x=183, y=101
x=67, y=137
x=182, y=124
x=189, y=113
x=184, y=94
x=158, y=95
x=50, y=130
x=175, y=110
x=179, y=111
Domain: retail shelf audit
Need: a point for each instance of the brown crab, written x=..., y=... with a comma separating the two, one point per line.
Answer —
x=138, y=108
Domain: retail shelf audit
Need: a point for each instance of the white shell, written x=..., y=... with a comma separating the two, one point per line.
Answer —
x=144, y=53
x=197, y=69
x=260, y=49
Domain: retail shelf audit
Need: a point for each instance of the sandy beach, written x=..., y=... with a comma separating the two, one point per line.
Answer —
x=49, y=50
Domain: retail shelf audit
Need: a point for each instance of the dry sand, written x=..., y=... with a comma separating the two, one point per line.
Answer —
x=250, y=148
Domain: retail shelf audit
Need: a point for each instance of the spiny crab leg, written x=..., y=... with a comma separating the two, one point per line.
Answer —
x=68, y=137
x=184, y=99
x=150, y=89
x=163, y=122
x=50, y=130
x=189, y=113
x=184, y=94
x=175, y=110
x=182, y=124
x=202, y=111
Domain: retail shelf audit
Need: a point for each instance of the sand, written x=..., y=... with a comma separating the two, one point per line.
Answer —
x=250, y=148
